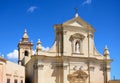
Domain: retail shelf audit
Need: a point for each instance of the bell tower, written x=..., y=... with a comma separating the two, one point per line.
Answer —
x=24, y=49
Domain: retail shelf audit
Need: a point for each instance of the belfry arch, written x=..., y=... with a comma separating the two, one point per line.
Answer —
x=26, y=53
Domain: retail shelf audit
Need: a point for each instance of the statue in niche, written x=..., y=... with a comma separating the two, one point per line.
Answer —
x=77, y=47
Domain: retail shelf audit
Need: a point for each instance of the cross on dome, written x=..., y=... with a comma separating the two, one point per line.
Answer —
x=76, y=12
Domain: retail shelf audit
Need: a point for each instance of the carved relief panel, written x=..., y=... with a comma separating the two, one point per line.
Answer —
x=78, y=76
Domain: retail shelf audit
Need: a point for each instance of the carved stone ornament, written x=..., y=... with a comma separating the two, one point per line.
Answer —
x=77, y=77
x=38, y=66
x=77, y=36
x=90, y=35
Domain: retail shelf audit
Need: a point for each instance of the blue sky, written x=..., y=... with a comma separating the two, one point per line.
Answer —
x=39, y=16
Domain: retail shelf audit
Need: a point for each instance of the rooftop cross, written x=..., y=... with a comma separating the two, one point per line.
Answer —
x=25, y=31
x=76, y=12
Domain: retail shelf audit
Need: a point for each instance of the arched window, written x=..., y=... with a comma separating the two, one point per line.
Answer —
x=26, y=53
x=77, y=47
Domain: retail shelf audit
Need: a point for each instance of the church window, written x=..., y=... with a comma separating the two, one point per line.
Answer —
x=26, y=53
x=15, y=81
x=8, y=80
x=21, y=81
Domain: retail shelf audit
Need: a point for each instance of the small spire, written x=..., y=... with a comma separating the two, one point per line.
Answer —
x=106, y=51
x=39, y=47
x=38, y=42
x=106, y=47
x=76, y=12
x=25, y=31
x=25, y=34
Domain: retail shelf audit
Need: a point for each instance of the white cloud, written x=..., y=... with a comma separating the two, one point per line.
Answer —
x=87, y=2
x=13, y=55
x=2, y=55
x=45, y=48
x=33, y=52
x=31, y=9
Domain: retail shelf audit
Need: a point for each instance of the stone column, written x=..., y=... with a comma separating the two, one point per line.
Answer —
x=35, y=73
x=90, y=44
x=40, y=73
x=65, y=73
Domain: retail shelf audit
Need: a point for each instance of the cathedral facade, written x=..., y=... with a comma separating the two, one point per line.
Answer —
x=73, y=58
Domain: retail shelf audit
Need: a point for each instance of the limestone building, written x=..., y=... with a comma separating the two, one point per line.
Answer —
x=72, y=59
x=11, y=72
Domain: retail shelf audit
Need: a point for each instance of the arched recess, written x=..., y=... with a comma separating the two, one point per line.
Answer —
x=77, y=42
x=26, y=53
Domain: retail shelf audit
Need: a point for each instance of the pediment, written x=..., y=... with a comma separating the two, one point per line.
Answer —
x=75, y=23
x=78, y=22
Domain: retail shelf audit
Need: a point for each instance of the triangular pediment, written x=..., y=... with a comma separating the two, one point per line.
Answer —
x=78, y=22
x=75, y=23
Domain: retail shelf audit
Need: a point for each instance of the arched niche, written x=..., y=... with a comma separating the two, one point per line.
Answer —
x=77, y=42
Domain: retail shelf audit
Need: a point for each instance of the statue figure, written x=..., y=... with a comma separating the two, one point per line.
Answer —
x=77, y=47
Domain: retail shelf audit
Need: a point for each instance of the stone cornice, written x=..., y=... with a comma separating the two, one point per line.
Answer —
x=8, y=74
x=25, y=43
x=38, y=66
x=70, y=58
